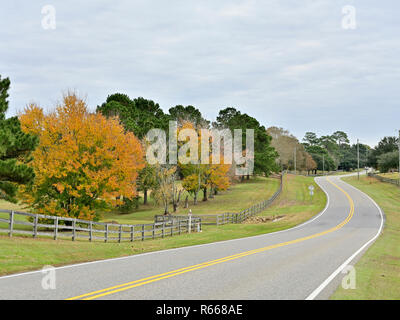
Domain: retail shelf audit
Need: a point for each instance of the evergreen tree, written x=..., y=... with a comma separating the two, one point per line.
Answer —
x=15, y=147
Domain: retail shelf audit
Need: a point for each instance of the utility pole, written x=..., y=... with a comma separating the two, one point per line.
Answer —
x=358, y=159
x=323, y=164
x=295, y=164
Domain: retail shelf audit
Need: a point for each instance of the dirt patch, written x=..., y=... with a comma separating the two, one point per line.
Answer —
x=258, y=219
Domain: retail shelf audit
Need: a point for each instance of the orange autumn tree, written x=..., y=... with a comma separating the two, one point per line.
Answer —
x=83, y=161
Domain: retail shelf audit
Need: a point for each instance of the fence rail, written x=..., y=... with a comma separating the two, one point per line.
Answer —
x=383, y=179
x=225, y=218
x=327, y=173
x=61, y=227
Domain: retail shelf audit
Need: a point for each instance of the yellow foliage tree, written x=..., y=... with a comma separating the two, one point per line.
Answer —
x=83, y=160
x=213, y=176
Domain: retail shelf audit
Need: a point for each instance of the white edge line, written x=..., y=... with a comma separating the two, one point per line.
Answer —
x=323, y=285
x=175, y=249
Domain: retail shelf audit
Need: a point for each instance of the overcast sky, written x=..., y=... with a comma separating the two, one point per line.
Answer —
x=288, y=63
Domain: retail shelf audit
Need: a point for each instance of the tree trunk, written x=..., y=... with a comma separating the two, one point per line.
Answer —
x=166, y=209
x=187, y=202
x=211, y=193
x=145, y=196
x=195, y=198
x=205, y=194
x=248, y=177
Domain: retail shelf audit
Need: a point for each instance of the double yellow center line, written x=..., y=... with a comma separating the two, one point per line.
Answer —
x=137, y=283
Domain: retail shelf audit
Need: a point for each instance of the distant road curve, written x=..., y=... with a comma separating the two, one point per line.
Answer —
x=304, y=262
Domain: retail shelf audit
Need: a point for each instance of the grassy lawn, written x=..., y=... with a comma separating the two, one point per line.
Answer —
x=295, y=204
x=378, y=271
x=21, y=253
x=239, y=197
x=390, y=175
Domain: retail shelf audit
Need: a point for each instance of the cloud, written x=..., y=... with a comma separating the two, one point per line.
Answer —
x=288, y=63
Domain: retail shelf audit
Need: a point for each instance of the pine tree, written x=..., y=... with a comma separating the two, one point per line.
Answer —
x=15, y=147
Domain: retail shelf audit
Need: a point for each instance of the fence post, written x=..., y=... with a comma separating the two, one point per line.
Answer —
x=90, y=230
x=55, y=228
x=172, y=227
x=163, y=229
x=106, y=234
x=11, y=223
x=35, y=226
x=73, y=229
x=120, y=233
x=179, y=226
x=154, y=228
x=142, y=232
x=132, y=233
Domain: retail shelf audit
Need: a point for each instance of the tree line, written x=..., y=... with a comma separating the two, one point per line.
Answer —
x=72, y=162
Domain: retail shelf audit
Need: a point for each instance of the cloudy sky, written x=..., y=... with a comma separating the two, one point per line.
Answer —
x=289, y=63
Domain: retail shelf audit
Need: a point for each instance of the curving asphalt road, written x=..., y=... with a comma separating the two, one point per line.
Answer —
x=304, y=262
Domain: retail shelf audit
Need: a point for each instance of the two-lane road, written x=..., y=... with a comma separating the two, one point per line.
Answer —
x=300, y=263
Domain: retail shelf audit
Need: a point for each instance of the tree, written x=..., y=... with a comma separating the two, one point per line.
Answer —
x=219, y=178
x=286, y=145
x=264, y=154
x=205, y=175
x=388, y=161
x=386, y=145
x=310, y=164
x=15, y=149
x=322, y=157
x=138, y=115
x=349, y=156
x=333, y=149
x=311, y=139
x=188, y=114
x=168, y=190
x=83, y=161
x=191, y=184
x=340, y=137
x=147, y=180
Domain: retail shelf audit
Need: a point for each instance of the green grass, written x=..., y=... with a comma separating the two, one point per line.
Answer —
x=21, y=253
x=295, y=203
x=239, y=197
x=378, y=271
x=390, y=175
x=5, y=205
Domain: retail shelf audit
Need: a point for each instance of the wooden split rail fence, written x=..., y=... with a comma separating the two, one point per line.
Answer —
x=16, y=222
x=383, y=179
x=225, y=218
